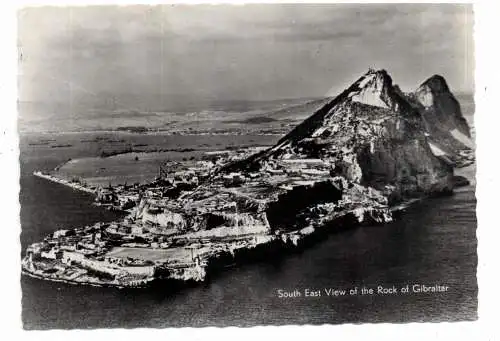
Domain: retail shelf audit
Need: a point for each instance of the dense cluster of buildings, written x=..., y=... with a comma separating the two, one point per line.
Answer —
x=173, y=179
x=175, y=222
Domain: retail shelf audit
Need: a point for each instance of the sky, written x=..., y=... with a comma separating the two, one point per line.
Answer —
x=153, y=56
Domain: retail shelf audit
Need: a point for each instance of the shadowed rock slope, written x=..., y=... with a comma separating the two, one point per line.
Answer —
x=448, y=131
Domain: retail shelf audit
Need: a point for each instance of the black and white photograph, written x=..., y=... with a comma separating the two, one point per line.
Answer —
x=251, y=165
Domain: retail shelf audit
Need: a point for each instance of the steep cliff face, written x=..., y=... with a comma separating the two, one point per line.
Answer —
x=441, y=108
x=371, y=135
x=448, y=131
x=149, y=212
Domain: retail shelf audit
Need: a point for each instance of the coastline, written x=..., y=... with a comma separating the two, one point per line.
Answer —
x=333, y=171
x=218, y=255
x=274, y=245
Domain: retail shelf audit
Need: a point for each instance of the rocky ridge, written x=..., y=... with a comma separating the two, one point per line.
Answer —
x=371, y=135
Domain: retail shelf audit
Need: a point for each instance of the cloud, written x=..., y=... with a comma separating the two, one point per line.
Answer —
x=238, y=52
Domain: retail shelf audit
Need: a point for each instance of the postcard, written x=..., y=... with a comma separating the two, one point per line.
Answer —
x=254, y=165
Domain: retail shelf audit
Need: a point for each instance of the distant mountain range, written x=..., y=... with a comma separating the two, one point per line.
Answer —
x=108, y=111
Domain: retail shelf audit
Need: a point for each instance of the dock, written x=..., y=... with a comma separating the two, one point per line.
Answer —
x=71, y=184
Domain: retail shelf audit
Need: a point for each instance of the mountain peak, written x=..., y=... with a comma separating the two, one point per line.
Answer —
x=442, y=112
x=369, y=113
x=375, y=78
x=436, y=84
x=372, y=71
x=375, y=88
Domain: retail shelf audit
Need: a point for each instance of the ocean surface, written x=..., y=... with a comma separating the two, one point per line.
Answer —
x=434, y=242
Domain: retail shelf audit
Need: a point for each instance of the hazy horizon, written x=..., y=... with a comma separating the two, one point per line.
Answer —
x=139, y=57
